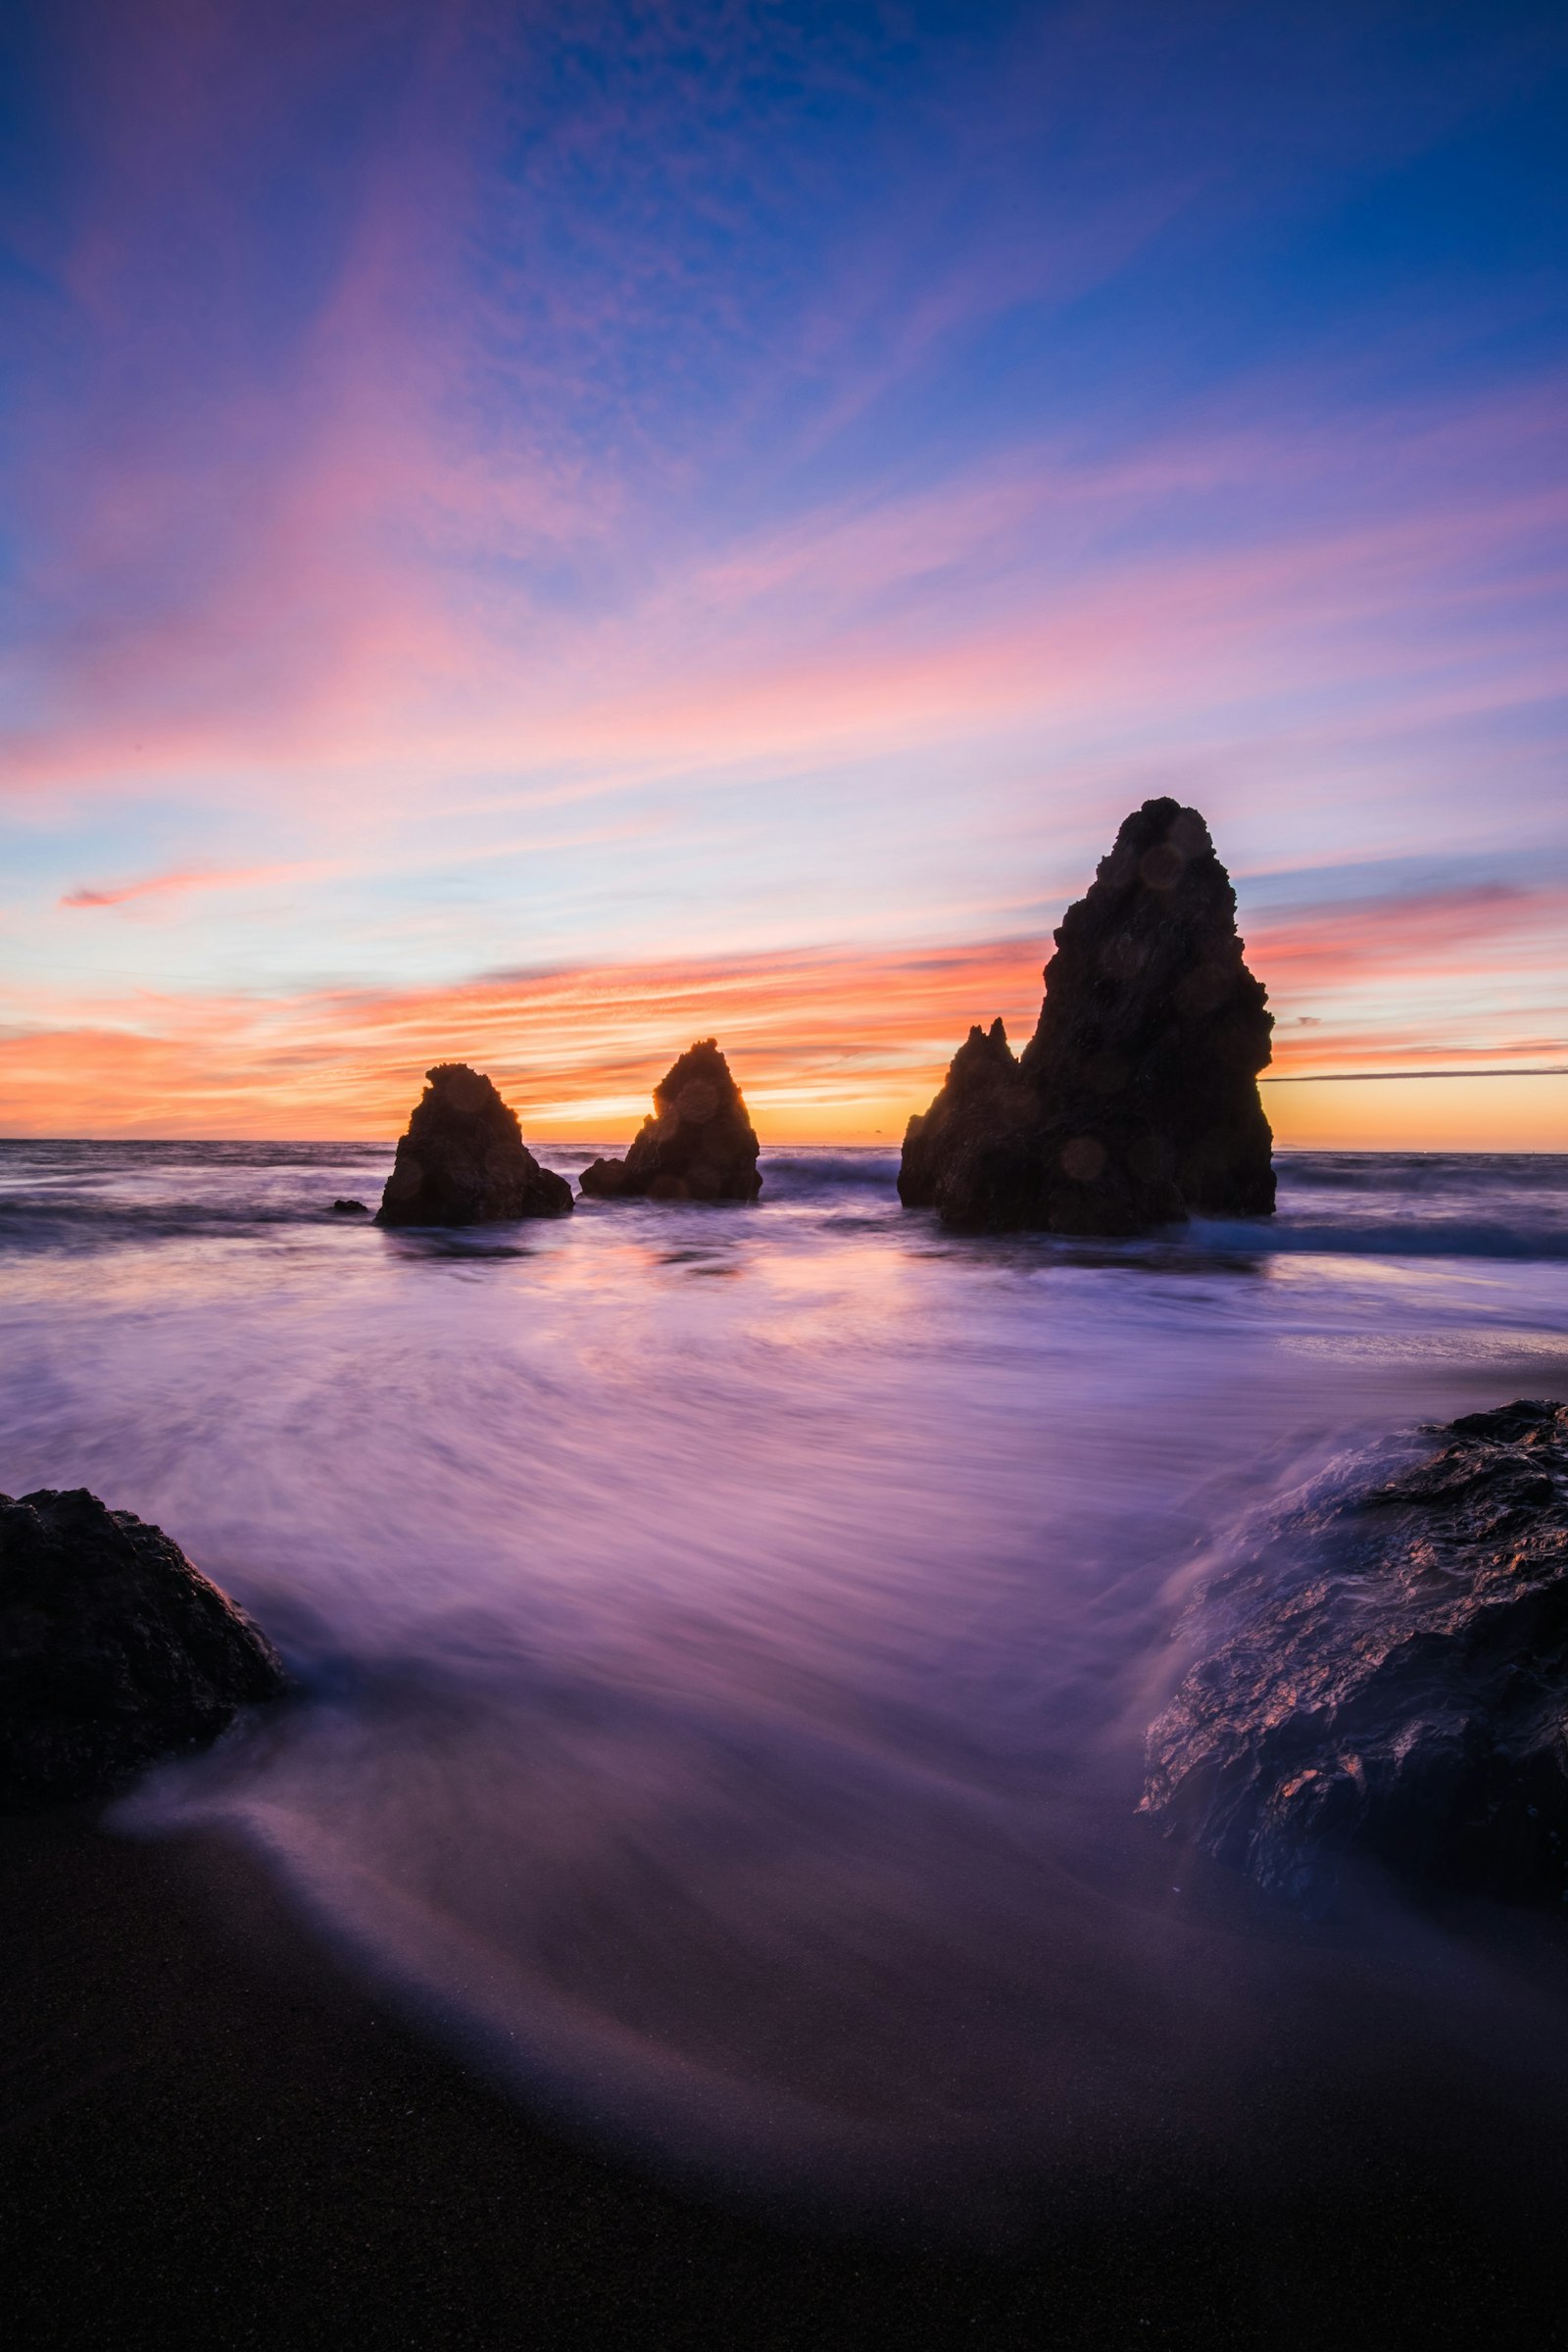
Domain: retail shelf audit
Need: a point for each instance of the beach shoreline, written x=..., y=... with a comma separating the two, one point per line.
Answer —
x=213, y=2133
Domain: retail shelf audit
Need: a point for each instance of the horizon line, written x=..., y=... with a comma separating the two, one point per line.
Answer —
x=1381, y=1077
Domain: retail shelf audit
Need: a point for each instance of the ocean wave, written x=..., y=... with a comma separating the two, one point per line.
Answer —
x=82, y=1196
x=1417, y=1173
x=1387, y=1236
x=805, y=1170
x=29, y=1225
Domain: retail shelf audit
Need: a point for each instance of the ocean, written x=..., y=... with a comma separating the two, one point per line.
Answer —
x=724, y=1637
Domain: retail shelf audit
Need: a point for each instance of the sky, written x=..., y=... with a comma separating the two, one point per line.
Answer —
x=529, y=534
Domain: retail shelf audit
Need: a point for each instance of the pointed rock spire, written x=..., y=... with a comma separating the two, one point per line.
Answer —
x=1135, y=1104
x=697, y=1144
x=984, y=1097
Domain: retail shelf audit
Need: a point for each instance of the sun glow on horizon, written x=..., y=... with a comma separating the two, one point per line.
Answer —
x=828, y=1047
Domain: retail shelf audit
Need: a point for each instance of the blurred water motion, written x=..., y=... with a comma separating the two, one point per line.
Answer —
x=723, y=1699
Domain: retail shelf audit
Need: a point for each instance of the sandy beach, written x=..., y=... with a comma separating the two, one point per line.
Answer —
x=212, y=2136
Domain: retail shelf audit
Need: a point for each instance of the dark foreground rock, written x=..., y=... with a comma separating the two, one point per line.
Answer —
x=697, y=1144
x=1135, y=1104
x=114, y=1649
x=1392, y=1680
x=350, y=1209
x=464, y=1160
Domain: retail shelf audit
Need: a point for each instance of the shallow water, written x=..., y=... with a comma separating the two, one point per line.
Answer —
x=726, y=1636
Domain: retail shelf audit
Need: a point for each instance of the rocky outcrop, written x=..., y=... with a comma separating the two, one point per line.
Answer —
x=1150, y=1013
x=1389, y=1678
x=464, y=1160
x=991, y=1158
x=349, y=1208
x=983, y=1101
x=1135, y=1104
x=114, y=1649
x=697, y=1144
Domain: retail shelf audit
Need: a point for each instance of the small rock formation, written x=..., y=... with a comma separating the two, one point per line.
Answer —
x=698, y=1144
x=349, y=1208
x=464, y=1160
x=1135, y=1104
x=991, y=1159
x=1393, y=1677
x=978, y=1154
x=114, y=1649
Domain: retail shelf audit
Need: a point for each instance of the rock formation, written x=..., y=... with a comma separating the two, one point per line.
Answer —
x=1392, y=1678
x=349, y=1208
x=698, y=1144
x=114, y=1649
x=464, y=1160
x=1135, y=1104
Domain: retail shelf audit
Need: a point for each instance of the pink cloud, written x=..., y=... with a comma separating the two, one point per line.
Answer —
x=829, y=1042
x=333, y=559
x=177, y=883
x=349, y=630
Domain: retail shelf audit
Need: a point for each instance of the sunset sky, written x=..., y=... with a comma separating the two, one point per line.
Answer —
x=531, y=534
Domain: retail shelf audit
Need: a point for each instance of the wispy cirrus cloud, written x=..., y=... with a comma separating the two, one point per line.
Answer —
x=175, y=884
x=1041, y=595
x=396, y=525
x=836, y=1041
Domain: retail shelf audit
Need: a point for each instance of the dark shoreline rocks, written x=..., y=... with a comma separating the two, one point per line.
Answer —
x=114, y=1649
x=698, y=1144
x=1391, y=1680
x=464, y=1160
x=1135, y=1104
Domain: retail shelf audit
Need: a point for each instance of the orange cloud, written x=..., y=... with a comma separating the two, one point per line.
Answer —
x=830, y=1044
x=827, y=1042
x=1433, y=980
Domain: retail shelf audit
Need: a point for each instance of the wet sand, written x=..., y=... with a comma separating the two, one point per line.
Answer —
x=212, y=2135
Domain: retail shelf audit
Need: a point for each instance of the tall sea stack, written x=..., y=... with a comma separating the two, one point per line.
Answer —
x=1135, y=1104
x=464, y=1160
x=697, y=1144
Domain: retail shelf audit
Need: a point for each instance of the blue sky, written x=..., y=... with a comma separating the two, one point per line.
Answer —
x=500, y=493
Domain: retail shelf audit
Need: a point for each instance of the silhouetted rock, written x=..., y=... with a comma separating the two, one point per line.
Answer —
x=350, y=1209
x=114, y=1649
x=464, y=1160
x=1393, y=1677
x=983, y=1098
x=1149, y=1011
x=698, y=1144
x=990, y=1160
x=1135, y=1104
